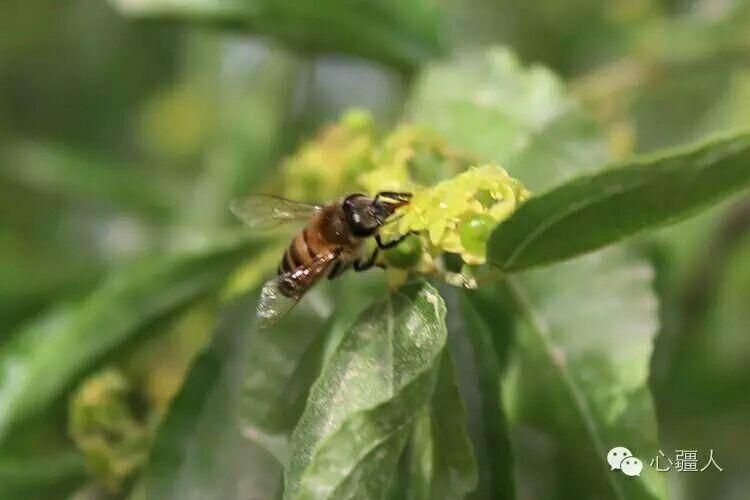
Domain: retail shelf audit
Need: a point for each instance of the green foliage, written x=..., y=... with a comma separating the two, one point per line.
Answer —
x=488, y=105
x=602, y=208
x=123, y=142
x=582, y=378
x=557, y=331
x=394, y=32
x=360, y=410
x=486, y=322
x=38, y=476
x=275, y=393
x=44, y=359
x=195, y=454
x=64, y=173
x=442, y=463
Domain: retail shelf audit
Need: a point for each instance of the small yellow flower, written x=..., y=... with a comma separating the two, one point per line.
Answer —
x=447, y=212
x=114, y=442
x=329, y=165
x=453, y=216
x=408, y=157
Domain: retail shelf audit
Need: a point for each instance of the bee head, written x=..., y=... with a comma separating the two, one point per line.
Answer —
x=365, y=215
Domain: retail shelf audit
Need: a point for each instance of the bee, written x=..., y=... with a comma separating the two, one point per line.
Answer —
x=332, y=241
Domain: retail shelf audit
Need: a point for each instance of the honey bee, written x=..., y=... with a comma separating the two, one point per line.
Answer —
x=332, y=241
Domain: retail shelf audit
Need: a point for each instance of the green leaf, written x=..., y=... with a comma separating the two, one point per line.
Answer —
x=198, y=451
x=77, y=177
x=592, y=313
x=602, y=208
x=285, y=360
x=707, y=344
x=53, y=475
x=582, y=370
x=45, y=358
x=488, y=105
x=361, y=409
x=282, y=364
x=442, y=463
x=678, y=79
x=401, y=33
x=728, y=315
x=487, y=324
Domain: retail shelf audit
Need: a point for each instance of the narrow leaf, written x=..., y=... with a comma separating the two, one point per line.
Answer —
x=79, y=177
x=582, y=370
x=196, y=453
x=602, y=208
x=51, y=475
x=487, y=324
x=45, y=358
x=401, y=33
x=442, y=459
x=596, y=310
x=361, y=408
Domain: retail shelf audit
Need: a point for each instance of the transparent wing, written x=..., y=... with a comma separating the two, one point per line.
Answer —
x=262, y=211
x=274, y=303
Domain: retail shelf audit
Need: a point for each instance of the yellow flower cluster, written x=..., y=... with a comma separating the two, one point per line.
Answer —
x=113, y=441
x=408, y=157
x=456, y=215
x=330, y=164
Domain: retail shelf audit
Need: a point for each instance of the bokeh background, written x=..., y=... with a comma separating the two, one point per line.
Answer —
x=125, y=131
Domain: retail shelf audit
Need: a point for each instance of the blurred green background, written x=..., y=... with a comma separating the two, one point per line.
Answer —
x=127, y=127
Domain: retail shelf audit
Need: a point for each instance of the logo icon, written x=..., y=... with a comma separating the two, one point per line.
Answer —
x=616, y=455
x=631, y=466
x=622, y=459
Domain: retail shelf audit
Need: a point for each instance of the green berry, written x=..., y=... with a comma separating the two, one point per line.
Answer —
x=406, y=254
x=475, y=231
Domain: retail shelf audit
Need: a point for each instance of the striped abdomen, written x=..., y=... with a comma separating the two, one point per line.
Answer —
x=306, y=258
x=315, y=251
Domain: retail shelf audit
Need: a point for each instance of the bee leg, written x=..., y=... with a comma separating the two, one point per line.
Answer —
x=390, y=244
x=360, y=266
x=338, y=269
x=335, y=270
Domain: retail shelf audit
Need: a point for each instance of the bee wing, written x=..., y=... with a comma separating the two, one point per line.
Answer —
x=262, y=211
x=274, y=303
